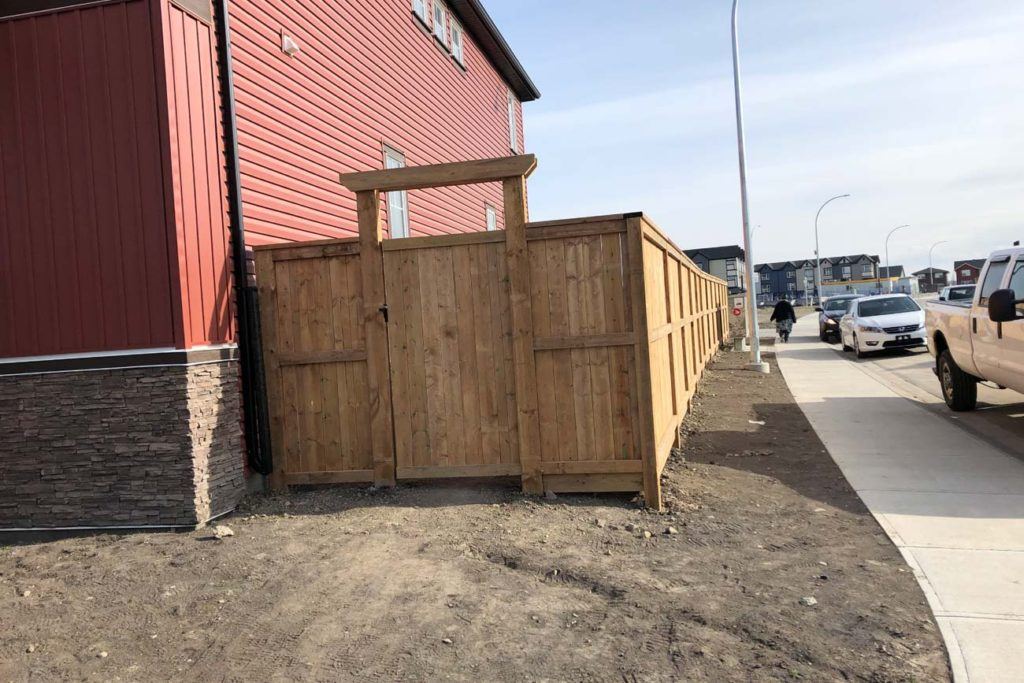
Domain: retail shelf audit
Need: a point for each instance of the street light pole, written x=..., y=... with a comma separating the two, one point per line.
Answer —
x=755, y=343
x=817, y=253
x=888, y=266
x=931, y=273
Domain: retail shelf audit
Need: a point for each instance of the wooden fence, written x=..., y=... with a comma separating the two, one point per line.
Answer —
x=562, y=352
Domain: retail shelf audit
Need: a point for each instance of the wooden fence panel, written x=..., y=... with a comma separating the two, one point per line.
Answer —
x=583, y=342
x=315, y=345
x=450, y=341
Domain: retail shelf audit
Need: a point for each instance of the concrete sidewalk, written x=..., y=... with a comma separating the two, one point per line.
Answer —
x=951, y=502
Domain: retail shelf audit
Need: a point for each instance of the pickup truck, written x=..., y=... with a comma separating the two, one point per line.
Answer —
x=981, y=340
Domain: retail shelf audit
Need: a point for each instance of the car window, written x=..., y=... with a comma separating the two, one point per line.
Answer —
x=834, y=305
x=961, y=293
x=993, y=278
x=888, y=306
x=1017, y=284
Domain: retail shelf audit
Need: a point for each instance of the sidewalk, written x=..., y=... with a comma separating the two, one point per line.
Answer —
x=953, y=504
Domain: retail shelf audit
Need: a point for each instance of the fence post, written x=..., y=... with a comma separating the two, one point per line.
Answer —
x=642, y=356
x=371, y=261
x=266, y=280
x=514, y=190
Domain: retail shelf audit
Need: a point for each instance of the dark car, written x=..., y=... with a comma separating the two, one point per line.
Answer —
x=829, y=314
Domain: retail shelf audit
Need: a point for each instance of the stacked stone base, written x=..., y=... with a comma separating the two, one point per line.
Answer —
x=143, y=446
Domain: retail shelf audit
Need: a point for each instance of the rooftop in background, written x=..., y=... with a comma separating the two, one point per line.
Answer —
x=897, y=271
x=476, y=20
x=715, y=253
x=978, y=263
x=926, y=271
x=831, y=260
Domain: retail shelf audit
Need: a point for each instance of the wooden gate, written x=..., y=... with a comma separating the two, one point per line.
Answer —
x=563, y=352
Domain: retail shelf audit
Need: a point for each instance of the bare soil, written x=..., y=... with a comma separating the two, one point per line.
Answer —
x=476, y=582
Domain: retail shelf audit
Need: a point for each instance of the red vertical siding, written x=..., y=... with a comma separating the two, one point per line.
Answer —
x=83, y=258
x=368, y=73
x=196, y=154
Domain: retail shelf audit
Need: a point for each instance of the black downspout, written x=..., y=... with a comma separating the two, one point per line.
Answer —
x=254, y=395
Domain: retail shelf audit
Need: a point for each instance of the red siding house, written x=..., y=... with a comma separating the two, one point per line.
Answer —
x=144, y=144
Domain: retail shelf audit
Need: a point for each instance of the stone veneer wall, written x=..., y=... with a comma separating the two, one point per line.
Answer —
x=121, y=447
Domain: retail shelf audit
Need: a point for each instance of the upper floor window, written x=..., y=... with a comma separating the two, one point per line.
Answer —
x=457, y=51
x=790, y=274
x=398, y=202
x=491, y=214
x=513, y=142
x=847, y=272
x=440, y=23
x=419, y=8
x=868, y=270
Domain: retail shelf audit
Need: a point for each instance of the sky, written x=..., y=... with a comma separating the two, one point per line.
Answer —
x=914, y=107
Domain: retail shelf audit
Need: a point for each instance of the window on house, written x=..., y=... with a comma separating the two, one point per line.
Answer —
x=965, y=272
x=867, y=271
x=398, y=202
x=457, y=42
x=492, y=217
x=513, y=142
x=440, y=24
x=847, y=272
x=792, y=286
x=419, y=8
x=790, y=274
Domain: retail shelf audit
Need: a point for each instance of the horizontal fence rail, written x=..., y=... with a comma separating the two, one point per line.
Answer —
x=565, y=352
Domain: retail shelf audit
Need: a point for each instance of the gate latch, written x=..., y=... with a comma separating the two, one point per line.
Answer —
x=384, y=310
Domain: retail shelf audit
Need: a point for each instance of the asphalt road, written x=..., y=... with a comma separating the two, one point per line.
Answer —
x=999, y=418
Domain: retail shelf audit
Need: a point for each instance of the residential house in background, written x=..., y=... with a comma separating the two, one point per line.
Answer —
x=932, y=279
x=886, y=272
x=968, y=272
x=725, y=262
x=796, y=279
x=131, y=190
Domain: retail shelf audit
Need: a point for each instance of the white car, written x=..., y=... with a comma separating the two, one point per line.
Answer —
x=879, y=323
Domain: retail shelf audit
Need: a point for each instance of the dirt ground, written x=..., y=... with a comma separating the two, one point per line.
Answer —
x=476, y=582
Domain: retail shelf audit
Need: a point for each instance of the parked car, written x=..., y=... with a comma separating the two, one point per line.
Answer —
x=829, y=314
x=957, y=293
x=983, y=339
x=878, y=323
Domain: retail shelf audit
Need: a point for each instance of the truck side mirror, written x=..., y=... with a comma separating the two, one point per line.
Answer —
x=1001, y=306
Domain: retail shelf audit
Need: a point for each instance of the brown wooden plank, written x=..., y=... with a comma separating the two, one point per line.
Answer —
x=433, y=365
x=593, y=483
x=316, y=357
x=583, y=341
x=643, y=369
x=598, y=357
x=549, y=232
x=340, y=477
x=547, y=393
x=301, y=246
x=455, y=471
x=576, y=221
x=374, y=297
x=593, y=467
x=514, y=191
x=438, y=241
x=450, y=369
x=441, y=175
x=565, y=413
x=468, y=286
x=323, y=250
x=576, y=311
x=396, y=266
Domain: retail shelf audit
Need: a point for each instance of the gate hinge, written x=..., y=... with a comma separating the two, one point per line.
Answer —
x=384, y=309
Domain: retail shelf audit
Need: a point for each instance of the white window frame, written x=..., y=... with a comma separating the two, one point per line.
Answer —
x=419, y=8
x=490, y=217
x=398, y=201
x=847, y=272
x=440, y=30
x=458, y=48
x=513, y=134
x=867, y=270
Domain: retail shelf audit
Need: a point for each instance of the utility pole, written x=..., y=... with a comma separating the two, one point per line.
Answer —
x=888, y=266
x=755, y=342
x=817, y=253
x=931, y=273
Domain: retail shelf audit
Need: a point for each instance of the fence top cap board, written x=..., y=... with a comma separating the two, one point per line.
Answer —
x=441, y=175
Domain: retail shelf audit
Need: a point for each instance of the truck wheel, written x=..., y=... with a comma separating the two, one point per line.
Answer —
x=958, y=388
